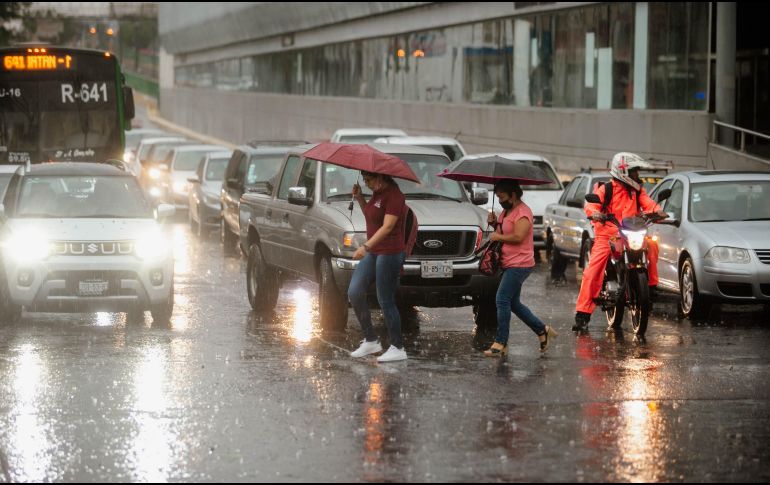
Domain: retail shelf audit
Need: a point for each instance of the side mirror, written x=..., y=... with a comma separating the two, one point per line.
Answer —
x=298, y=196
x=593, y=198
x=129, y=111
x=165, y=211
x=193, y=180
x=663, y=195
x=575, y=203
x=479, y=196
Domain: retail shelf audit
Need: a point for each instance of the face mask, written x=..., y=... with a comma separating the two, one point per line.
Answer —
x=507, y=205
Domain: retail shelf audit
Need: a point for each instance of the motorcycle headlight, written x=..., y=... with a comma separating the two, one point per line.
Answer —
x=353, y=240
x=151, y=246
x=722, y=254
x=27, y=246
x=635, y=239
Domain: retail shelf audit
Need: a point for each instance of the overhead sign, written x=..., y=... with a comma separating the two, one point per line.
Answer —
x=37, y=62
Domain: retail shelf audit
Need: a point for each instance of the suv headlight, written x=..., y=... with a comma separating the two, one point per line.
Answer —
x=635, y=239
x=723, y=254
x=151, y=246
x=353, y=240
x=155, y=173
x=27, y=246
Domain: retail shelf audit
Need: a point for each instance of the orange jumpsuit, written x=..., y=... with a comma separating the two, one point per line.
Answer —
x=623, y=205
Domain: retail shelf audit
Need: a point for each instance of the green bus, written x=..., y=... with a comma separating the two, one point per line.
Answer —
x=62, y=104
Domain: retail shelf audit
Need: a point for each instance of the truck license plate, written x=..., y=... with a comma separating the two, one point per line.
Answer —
x=93, y=287
x=437, y=269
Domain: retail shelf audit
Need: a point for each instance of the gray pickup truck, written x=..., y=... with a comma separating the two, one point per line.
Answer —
x=300, y=224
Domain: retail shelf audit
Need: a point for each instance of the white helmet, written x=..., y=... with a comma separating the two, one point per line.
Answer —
x=624, y=162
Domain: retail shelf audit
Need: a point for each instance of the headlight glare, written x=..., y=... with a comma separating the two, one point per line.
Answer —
x=27, y=246
x=151, y=246
x=635, y=239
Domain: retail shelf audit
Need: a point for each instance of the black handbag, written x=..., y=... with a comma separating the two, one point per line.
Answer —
x=491, y=260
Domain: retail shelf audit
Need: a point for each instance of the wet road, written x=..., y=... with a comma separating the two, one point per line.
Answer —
x=224, y=394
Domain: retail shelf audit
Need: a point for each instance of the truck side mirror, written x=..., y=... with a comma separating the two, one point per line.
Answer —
x=663, y=195
x=298, y=196
x=479, y=196
x=593, y=198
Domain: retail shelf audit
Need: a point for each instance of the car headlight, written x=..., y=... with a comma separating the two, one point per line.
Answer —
x=155, y=173
x=353, y=240
x=27, y=246
x=635, y=239
x=180, y=187
x=722, y=254
x=151, y=246
x=128, y=156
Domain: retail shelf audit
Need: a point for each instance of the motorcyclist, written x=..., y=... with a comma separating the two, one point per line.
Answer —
x=628, y=198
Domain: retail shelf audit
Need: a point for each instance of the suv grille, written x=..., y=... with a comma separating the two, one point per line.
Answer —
x=444, y=244
x=113, y=278
x=96, y=248
x=763, y=255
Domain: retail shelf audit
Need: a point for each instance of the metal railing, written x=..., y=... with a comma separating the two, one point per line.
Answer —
x=742, y=131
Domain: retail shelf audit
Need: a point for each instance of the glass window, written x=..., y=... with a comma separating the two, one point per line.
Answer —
x=580, y=191
x=730, y=201
x=263, y=168
x=674, y=203
x=215, y=169
x=290, y=174
x=665, y=185
x=307, y=177
x=188, y=161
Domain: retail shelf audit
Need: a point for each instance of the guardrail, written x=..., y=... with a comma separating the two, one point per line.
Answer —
x=144, y=85
x=743, y=132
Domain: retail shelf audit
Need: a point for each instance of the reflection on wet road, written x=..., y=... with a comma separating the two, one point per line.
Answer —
x=226, y=394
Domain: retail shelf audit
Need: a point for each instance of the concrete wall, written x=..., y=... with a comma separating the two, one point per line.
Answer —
x=723, y=158
x=572, y=139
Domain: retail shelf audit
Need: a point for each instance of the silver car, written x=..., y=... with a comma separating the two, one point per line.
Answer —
x=720, y=250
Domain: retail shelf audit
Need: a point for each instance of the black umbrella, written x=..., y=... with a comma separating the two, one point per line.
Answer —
x=490, y=170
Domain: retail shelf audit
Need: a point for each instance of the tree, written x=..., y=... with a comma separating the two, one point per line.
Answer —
x=13, y=19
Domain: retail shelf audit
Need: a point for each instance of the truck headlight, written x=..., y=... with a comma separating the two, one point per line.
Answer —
x=635, y=239
x=27, y=246
x=353, y=240
x=723, y=254
x=151, y=246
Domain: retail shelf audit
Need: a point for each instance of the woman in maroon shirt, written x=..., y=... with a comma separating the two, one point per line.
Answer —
x=380, y=260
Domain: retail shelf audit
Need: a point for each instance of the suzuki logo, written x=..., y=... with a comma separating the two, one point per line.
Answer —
x=433, y=244
x=121, y=248
x=93, y=248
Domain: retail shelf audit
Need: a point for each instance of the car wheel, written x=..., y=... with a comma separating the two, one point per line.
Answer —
x=226, y=236
x=692, y=305
x=261, y=282
x=9, y=311
x=161, y=313
x=558, y=264
x=333, y=305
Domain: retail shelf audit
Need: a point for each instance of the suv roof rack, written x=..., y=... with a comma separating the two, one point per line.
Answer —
x=276, y=143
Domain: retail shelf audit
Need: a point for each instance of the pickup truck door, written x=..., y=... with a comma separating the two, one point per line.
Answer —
x=302, y=224
x=277, y=234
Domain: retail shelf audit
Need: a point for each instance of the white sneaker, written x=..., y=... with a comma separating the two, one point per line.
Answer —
x=393, y=354
x=366, y=348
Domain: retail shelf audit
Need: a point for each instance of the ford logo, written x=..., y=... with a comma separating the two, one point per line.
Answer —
x=433, y=244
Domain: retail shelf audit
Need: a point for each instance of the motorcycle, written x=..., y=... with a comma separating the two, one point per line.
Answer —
x=625, y=283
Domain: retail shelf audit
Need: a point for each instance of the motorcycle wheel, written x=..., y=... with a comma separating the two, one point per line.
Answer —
x=638, y=302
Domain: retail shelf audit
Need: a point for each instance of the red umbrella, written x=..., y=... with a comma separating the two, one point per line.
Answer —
x=361, y=157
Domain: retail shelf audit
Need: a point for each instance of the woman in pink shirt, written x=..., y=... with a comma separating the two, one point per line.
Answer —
x=514, y=230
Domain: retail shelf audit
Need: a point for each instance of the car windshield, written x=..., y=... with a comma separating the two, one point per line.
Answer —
x=338, y=181
x=215, y=169
x=451, y=151
x=550, y=174
x=82, y=197
x=730, y=201
x=188, y=160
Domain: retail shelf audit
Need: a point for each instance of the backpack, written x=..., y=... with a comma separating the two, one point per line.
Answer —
x=410, y=230
x=608, y=198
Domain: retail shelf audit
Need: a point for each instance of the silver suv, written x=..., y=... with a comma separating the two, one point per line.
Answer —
x=303, y=226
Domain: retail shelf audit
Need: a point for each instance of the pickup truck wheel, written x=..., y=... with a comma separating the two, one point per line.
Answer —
x=226, y=236
x=485, y=312
x=333, y=305
x=261, y=281
x=558, y=264
x=9, y=312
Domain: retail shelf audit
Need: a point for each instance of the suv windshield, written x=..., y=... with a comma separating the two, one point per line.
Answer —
x=82, y=197
x=188, y=160
x=730, y=201
x=338, y=182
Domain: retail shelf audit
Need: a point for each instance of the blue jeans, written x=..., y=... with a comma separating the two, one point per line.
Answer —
x=385, y=270
x=508, y=300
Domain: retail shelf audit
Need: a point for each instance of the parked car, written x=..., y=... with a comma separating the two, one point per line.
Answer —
x=363, y=135
x=303, y=226
x=205, y=188
x=82, y=237
x=537, y=197
x=448, y=146
x=256, y=162
x=719, y=249
x=147, y=168
x=182, y=162
x=569, y=235
x=133, y=138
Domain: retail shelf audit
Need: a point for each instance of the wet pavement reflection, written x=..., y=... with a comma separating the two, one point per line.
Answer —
x=223, y=393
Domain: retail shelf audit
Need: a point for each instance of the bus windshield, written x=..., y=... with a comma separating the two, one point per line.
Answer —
x=61, y=104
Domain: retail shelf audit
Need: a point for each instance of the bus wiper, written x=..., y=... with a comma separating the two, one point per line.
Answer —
x=423, y=195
